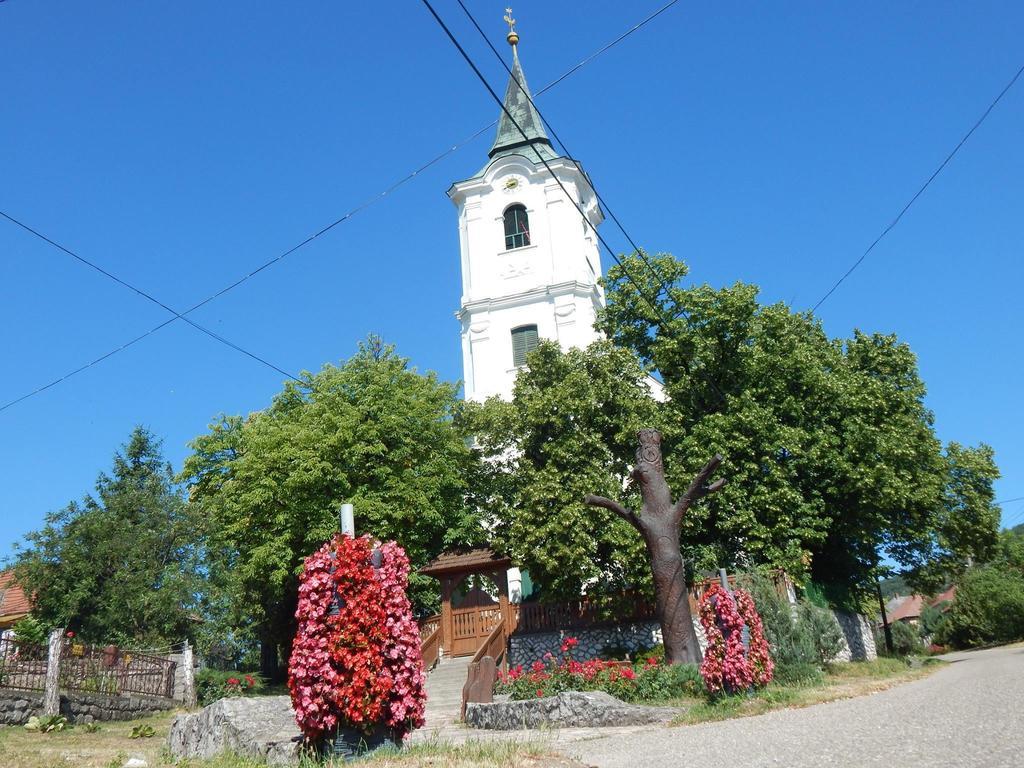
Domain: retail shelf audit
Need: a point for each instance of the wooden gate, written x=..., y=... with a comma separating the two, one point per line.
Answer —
x=471, y=626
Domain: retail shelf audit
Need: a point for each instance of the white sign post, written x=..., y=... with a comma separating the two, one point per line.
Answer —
x=348, y=521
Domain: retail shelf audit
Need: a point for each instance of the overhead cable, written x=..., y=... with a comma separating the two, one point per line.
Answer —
x=359, y=208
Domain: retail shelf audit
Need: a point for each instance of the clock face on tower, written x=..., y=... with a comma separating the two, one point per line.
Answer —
x=511, y=183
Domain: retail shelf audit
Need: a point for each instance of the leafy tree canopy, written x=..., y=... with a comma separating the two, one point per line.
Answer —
x=831, y=455
x=373, y=432
x=570, y=430
x=121, y=566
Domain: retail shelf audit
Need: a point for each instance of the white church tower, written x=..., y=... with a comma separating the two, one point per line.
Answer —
x=530, y=263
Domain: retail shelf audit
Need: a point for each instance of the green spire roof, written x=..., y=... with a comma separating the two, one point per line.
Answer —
x=517, y=101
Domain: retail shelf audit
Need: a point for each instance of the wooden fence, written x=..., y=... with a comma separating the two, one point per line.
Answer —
x=621, y=608
x=86, y=669
x=586, y=612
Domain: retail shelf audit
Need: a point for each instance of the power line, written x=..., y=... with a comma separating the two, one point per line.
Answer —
x=566, y=150
x=1013, y=519
x=540, y=157
x=920, y=191
x=658, y=318
x=144, y=294
x=362, y=206
x=1007, y=501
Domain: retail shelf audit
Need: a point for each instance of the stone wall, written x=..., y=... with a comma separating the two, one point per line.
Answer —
x=858, y=637
x=570, y=709
x=16, y=707
x=525, y=649
x=858, y=640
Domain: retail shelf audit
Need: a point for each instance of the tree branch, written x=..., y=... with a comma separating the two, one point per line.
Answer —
x=626, y=514
x=699, y=487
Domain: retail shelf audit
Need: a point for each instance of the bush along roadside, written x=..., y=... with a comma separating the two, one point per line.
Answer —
x=801, y=642
x=989, y=608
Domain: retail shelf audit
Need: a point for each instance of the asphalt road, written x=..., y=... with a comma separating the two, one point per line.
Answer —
x=970, y=713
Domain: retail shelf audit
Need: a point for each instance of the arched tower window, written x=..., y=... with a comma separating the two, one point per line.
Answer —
x=524, y=340
x=517, y=227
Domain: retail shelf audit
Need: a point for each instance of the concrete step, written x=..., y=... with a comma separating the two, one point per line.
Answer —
x=444, y=692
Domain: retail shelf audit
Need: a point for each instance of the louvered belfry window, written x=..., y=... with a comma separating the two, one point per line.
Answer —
x=517, y=227
x=524, y=340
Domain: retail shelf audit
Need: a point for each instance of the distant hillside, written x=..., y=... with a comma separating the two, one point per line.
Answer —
x=894, y=585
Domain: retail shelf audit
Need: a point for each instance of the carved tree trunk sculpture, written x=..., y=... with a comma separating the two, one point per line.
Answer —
x=658, y=521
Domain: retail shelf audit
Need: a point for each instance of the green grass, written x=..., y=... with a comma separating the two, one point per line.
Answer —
x=112, y=745
x=839, y=681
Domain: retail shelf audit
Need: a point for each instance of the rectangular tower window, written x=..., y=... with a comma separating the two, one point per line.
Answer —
x=517, y=227
x=524, y=340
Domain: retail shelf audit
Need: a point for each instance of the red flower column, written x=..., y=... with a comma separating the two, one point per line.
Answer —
x=360, y=668
x=727, y=664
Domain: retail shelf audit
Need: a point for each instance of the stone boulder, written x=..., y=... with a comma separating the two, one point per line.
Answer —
x=571, y=709
x=260, y=727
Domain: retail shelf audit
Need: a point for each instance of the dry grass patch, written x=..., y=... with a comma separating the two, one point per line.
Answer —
x=111, y=746
x=489, y=754
x=842, y=681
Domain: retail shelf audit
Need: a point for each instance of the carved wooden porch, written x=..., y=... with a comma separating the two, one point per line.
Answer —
x=469, y=614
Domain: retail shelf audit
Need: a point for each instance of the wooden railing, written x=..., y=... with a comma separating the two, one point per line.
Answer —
x=483, y=668
x=431, y=649
x=586, y=612
x=429, y=625
x=621, y=608
x=494, y=646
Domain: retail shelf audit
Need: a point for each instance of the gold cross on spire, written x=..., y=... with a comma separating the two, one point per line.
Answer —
x=513, y=36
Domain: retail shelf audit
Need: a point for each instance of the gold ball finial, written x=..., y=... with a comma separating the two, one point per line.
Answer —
x=513, y=36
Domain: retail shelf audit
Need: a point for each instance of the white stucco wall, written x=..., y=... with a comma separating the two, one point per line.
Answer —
x=551, y=283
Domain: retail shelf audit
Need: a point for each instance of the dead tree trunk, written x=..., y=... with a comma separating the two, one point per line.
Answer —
x=658, y=521
x=51, y=692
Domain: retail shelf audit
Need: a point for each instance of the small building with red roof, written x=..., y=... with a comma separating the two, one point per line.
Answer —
x=14, y=603
x=909, y=609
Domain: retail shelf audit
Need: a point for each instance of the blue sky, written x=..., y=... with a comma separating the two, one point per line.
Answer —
x=180, y=144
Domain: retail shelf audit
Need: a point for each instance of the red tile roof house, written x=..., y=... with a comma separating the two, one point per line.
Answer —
x=14, y=603
x=910, y=609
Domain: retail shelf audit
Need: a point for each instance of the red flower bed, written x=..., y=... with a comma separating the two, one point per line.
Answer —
x=727, y=664
x=644, y=682
x=361, y=667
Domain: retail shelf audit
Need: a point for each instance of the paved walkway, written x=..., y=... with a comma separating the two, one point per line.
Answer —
x=968, y=714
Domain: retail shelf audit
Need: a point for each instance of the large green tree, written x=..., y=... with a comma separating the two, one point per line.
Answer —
x=570, y=430
x=373, y=432
x=830, y=453
x=121, y=566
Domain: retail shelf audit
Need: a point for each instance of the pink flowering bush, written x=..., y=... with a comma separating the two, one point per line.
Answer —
x=361, y=667
x=727, y=665
x=762, y=668
x=403, y=659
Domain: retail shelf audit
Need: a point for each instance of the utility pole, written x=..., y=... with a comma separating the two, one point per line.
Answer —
x=885, y=618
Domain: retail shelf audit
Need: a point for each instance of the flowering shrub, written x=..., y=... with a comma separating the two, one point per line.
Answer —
x=649, y=681
x=727, y=664
x=403, y=660
x=362, y=666
x=762, y=668
x=213, y=684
